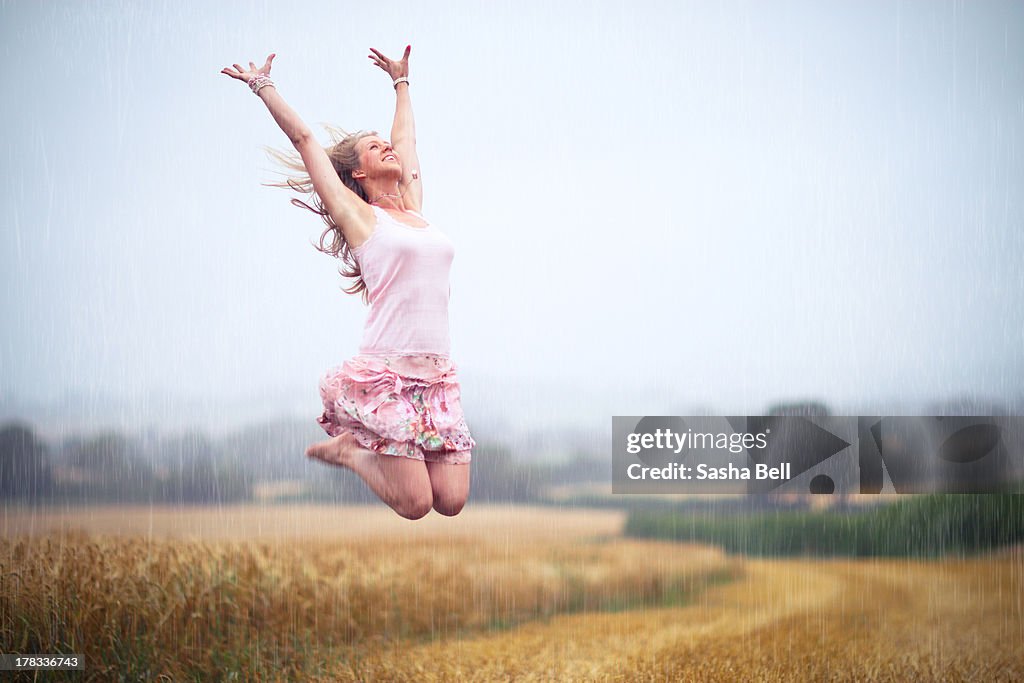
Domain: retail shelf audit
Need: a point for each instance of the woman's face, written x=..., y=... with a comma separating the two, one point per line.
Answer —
x=377, y=157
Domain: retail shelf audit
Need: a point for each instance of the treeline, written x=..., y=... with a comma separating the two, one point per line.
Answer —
x=111, y=467
x=921, y=525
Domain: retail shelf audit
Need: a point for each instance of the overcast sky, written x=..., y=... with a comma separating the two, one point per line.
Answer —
x=725, y=202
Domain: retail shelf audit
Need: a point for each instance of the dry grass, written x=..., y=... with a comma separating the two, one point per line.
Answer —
x=785, y=620
x=286, y=607
x=507, y=523
x=495, y=594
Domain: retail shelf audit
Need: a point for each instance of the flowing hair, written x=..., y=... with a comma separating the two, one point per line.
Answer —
x=345, y=159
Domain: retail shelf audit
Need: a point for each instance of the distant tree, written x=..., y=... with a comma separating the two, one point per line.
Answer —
x=24, y=463
x=111, y=467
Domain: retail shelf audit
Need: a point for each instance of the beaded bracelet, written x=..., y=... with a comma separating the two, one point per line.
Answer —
x=258, y=81
x=403, y=79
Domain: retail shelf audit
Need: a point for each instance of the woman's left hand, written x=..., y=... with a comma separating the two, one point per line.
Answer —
x=395, y=69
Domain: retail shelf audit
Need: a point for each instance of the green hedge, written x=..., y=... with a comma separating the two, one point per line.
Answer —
x=922, y=525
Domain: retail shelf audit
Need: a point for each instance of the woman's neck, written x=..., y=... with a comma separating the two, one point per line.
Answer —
x=385, y=197
x=390, y=202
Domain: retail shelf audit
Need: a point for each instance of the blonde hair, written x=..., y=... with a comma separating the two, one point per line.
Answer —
x=345, y=159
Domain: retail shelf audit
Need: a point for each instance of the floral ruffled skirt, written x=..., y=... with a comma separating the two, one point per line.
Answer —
x=405, y=405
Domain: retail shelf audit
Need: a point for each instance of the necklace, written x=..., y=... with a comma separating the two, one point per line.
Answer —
x=396, y=196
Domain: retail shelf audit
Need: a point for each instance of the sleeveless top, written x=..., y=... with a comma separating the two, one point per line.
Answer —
x=406, y=273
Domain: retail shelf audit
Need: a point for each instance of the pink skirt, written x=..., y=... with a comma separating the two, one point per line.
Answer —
x=404, y=405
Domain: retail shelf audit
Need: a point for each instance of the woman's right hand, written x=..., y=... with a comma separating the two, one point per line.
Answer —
x=245, y=75
x=395, y=69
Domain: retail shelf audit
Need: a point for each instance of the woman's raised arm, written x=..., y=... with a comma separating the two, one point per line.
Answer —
x=347, y=209
x=403, y=130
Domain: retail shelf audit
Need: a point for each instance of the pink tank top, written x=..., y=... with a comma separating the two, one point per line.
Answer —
x=406, y=273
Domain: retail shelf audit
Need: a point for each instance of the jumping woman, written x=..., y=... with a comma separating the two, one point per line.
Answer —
x=393, y=411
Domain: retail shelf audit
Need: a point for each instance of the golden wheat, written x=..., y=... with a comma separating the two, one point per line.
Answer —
x=784, y=620
x=501, y=593
x=280, y=608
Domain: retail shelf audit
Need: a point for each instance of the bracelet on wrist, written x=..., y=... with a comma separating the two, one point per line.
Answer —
x=258, y=81
x=403, y=79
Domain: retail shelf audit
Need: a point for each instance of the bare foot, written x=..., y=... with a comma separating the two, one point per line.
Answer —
x=337, y=450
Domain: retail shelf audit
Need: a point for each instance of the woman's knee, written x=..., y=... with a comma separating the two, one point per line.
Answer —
x=416, y=505
x=449, y=505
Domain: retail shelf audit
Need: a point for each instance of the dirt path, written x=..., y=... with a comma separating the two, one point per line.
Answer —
x=786, y=620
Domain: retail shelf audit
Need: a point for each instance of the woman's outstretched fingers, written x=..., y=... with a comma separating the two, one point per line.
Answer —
x=378, y=59
x=393, y=68
x=243, y=74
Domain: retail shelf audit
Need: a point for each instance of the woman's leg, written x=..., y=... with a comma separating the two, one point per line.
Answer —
x=450, y=486
x=402, y=483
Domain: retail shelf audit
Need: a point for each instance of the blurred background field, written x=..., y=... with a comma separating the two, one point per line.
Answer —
x=927, y=525
x=197, y=558
x=501, y=591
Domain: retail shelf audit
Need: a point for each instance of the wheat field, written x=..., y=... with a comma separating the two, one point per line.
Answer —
x=497, y=593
